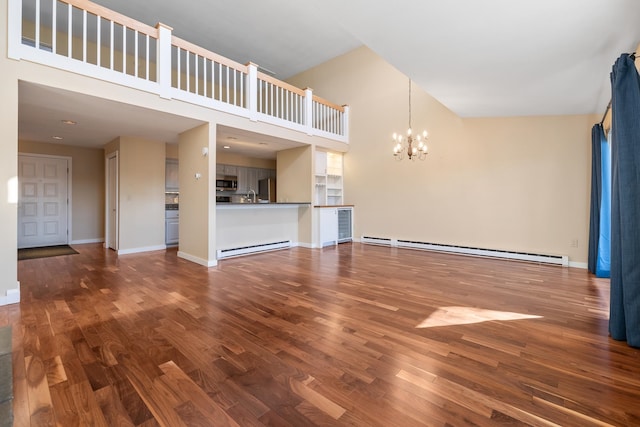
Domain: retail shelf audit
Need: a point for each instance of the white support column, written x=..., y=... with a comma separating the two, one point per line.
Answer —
x=345, y=122
x=164, y=60
x=14, y=28
x=308, y=110
x=252, y=91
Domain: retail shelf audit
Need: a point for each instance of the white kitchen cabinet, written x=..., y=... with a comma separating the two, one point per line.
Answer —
x=328, y=226
x=248, y=178
x=171, y=175
x=335, y=225
x=321, y=162
x=243, y=179
x=252, y=179
x=226, y=170
x=172, y=226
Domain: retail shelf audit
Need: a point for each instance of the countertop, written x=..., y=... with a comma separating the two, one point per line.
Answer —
x=334, y=206
x=261, y=205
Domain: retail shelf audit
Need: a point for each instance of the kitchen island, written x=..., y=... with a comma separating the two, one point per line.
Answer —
x=253, y=227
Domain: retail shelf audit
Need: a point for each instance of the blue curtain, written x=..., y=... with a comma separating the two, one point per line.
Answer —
x=603, y=264
x=597, y=134
x=624, y=316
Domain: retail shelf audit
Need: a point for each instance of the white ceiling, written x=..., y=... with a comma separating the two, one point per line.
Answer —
x=479, y=58
x=42, y=109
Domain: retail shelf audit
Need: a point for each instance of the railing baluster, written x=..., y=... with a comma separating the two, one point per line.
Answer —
x=242, y=97
x=179, y=70
x=272, y=111
x=98, y=40
x=205, y=77
x=124, y=49
x=219, y=82
x=146, y=62
x=227, y=71
x=111, y=48
x=38, y=24
x=135, y=53
x=235, y=88
x=188, y=70
x=69, y=31
x=54, y=25
x=84, y=35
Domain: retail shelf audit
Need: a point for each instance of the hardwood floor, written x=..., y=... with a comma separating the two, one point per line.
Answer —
x=354, y=335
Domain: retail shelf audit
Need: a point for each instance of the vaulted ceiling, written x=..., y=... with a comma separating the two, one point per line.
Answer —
x=479, y=58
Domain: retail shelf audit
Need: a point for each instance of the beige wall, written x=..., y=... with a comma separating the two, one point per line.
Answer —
x=87, y=186
x=518, y=184
x=294, y=183
x=197, y=195
x=141, y=194
x=238, y=160
x=171, y=151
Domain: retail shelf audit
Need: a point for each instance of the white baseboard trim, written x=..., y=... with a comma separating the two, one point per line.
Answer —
x=562, y=260
x=12, y=297
x=143, y=249
x=197, y=260
x=85, y=241
x=583, y=265
x=303, y=245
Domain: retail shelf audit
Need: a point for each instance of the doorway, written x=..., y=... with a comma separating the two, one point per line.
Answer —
x=43, y=200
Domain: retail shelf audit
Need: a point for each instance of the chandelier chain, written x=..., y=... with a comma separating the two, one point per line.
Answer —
x=409, y=103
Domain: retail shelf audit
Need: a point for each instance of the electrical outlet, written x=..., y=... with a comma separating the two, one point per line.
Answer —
x=574, y=243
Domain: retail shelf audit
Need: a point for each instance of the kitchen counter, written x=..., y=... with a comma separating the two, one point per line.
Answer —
x=243, y=225
x=261, y=205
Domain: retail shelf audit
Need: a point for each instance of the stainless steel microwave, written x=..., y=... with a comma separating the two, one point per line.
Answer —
x=228, y=183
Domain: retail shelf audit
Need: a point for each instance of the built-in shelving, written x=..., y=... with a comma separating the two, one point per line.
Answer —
x=328, y=178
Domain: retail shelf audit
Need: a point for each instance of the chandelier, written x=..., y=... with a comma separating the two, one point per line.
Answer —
x=413, y=146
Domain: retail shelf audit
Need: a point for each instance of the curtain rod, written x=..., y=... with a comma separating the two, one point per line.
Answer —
x=604, y=116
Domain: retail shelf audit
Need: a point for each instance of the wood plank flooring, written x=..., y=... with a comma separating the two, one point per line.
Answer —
x=355, y=335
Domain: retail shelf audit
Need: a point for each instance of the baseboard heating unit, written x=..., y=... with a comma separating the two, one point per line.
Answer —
x=562, y=260
x=245, y=250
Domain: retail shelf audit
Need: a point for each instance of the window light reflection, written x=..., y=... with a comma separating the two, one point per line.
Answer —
x=449, y=316
x=12, y=190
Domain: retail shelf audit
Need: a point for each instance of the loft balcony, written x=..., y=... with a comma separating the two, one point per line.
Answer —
x=88, y=39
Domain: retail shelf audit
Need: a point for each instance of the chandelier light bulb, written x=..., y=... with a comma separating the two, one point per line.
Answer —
x=409, y=132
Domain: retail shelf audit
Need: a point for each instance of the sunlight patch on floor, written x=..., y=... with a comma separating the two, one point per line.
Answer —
x=449, y=316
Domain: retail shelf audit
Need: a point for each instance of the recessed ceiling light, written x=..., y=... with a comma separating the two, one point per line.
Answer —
x=262, y=143
x=232, y=138
x=226, y=147
x=69, y=122
x=57, y=137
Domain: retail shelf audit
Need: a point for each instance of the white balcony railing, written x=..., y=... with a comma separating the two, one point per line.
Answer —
x=85, y=38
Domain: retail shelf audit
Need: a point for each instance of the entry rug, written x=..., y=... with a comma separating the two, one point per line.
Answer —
x=6, y=378
x=44, y=252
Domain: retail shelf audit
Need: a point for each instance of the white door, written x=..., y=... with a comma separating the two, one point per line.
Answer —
x=112, y=202
x=42, y=201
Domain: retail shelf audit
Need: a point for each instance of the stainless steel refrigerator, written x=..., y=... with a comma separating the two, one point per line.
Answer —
x=267, y=189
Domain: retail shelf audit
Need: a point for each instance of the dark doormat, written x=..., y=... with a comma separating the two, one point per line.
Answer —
x=44, y=252
x=6, y=378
